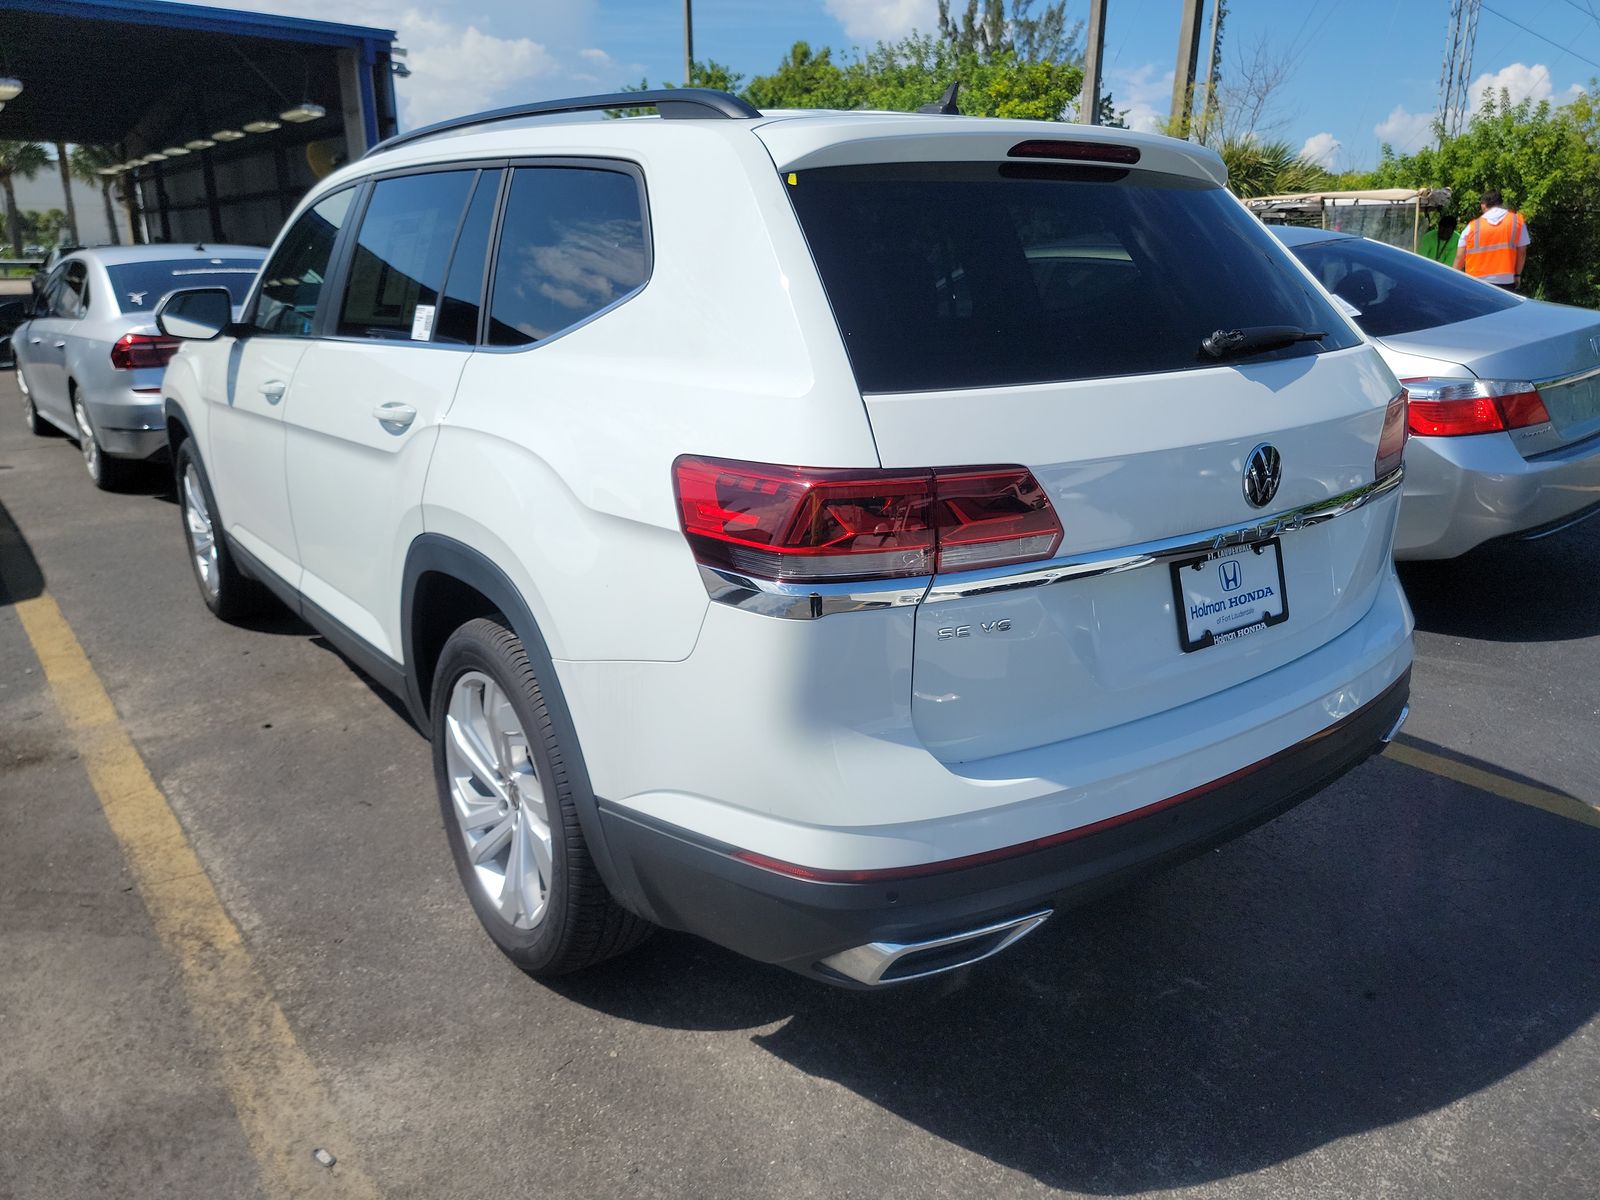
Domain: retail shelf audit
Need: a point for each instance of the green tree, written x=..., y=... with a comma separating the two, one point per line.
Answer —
x=1546, y=160
x=1257, y=168
x=87, y=162
x=64, y=165
x=18, y=160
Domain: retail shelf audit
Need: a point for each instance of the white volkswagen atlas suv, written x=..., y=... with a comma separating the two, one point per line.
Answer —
x=849, y=537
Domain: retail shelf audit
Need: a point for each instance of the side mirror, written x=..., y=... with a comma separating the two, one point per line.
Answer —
x=196, y=315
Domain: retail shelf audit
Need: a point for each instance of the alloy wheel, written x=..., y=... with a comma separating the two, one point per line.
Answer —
x=498, y=800
x=202, y=534
x=86, y=441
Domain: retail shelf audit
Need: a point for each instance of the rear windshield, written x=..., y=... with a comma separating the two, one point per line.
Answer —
x=140, y=286
x=961, y=275
x=1394, y=291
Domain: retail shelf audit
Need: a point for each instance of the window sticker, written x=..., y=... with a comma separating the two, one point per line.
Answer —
x=422, y=323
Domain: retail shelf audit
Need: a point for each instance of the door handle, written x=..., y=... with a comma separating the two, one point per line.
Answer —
x=273, y=390
x=61, y=345
x=35, y=341
x=395, y=417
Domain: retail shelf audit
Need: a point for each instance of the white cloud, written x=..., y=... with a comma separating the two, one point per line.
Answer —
x=457, y=65
x=1405, y=130
x=1144, y=93
x=884, y=20
x=1521, y=82
x=1322, y=149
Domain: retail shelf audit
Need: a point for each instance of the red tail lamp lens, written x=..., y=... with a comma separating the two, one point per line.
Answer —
x=827, y=525
x=1392, y=443
x=1107, y=152
x=136, y=351
x=1457, y=407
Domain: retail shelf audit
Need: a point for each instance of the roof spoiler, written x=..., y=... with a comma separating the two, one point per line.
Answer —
x=674, y=103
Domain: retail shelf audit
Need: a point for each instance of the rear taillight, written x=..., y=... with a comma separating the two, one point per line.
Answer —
x=136, y=351
x=1454, y=407
x=1392, y=442
x=807, y=524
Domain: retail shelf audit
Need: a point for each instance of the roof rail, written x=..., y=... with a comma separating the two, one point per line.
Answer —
x=677, y=103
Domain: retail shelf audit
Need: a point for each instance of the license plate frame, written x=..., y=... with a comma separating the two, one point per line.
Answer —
x=1209, y=636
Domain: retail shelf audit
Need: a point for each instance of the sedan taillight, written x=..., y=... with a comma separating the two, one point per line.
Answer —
x=136, y=351
x=1456, y=407
x=807, y=524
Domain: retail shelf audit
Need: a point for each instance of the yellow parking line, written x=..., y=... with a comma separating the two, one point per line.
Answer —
x=280, y=1102
x=1496, y=784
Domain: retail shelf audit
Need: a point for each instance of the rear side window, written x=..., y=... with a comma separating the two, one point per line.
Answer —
x=1394, y=291
x=572, y=242
x=291, y=284
x=961, y=275
x=463, y=289
x=401, y=254
x=72, y=296
x=139, y=287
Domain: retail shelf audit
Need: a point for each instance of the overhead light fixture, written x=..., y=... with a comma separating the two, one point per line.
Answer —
x=200, y=144
x=261, y=126
x=175, y=151
x=228, y=135
x=116, y=170
x=154, y=156
x=2, y=105
x=10, y=88
x=302, y=112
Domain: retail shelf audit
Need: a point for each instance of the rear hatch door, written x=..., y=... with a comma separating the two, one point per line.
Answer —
x=1052, y=314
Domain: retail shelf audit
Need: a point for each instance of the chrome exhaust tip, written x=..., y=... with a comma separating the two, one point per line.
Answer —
x=879, y=963
x=1405, y=711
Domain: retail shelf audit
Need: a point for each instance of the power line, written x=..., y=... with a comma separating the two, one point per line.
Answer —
x=1540, y=36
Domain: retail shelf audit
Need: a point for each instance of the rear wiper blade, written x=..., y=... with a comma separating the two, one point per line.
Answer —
x=1253, y=339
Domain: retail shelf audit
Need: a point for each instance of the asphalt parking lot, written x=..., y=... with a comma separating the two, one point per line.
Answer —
x=1393, y=990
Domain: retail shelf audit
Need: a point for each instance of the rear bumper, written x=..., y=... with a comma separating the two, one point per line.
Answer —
x=1461, y=492
x=686, y=881
x=129, y=424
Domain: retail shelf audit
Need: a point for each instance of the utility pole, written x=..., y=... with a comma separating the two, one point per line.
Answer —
x=1089, y=113
x=688, y=42
x=1457, y=68
x=1208, y=111
x=1188, y=60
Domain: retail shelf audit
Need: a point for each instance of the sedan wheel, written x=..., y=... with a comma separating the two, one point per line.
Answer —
x=498, y=800
x=93, y=459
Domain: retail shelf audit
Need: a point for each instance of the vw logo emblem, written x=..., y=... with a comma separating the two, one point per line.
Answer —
x=1263, y=470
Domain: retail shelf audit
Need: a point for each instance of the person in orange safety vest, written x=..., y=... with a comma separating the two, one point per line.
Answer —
x=1494, y=247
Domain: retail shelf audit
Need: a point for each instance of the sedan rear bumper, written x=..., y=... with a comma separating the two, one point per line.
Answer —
x=843, y=926
x=1463, y=491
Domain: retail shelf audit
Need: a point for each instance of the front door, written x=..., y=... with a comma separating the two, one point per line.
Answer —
x=248, y=395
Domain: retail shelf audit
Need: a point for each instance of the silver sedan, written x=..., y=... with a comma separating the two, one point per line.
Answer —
x=89, y=358
x=1504, y=394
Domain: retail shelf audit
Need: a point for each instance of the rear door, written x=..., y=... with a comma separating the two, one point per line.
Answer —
x=1053, y=315
x=246, y=398
x=47, y=340
x=368, y=397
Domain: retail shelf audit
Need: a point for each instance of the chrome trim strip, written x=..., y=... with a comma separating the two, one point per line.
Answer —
x=870, y=963
x=807, y=601
x=1405, y=711
x=1564, y=380
x=965, y=585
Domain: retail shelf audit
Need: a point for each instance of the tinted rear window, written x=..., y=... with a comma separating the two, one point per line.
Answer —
x=139, y=286
x=1394, y=291
x=958, y=275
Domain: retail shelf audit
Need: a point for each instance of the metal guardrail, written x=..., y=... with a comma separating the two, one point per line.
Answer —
x=21, y=262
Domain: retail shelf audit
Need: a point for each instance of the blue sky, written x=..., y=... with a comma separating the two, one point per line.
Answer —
x=1362, y=71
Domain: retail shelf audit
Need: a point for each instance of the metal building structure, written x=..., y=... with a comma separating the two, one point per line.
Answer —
x=1455, y=75
x=219, y=119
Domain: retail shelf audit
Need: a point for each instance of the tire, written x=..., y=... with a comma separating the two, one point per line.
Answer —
x=498, y=785
x=37, y=425
x=226, y=592
x=109, y=474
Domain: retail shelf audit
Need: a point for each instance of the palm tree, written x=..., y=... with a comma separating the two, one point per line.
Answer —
x=87, y=162
x=18, y=160
x=65, y=167
x=1257, y=168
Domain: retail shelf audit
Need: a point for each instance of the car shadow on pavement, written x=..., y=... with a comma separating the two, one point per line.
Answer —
x=1393, y=946
x=1539, y=591
x=20, y=575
